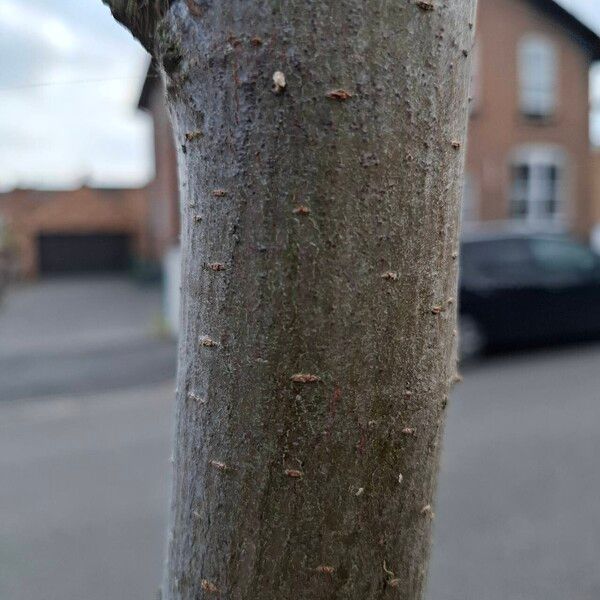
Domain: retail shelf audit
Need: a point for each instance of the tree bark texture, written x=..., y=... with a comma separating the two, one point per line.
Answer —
x=321, y=149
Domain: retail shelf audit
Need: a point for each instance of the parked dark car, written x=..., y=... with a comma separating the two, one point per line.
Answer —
x=525, y=289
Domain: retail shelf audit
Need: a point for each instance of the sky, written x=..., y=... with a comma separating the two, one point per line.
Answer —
x=69, y=81
x=70, y=77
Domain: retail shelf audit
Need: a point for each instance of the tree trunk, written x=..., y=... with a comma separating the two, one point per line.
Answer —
x=321, y=147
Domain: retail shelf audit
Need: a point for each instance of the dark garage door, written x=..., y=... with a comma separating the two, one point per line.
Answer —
x=88, y=253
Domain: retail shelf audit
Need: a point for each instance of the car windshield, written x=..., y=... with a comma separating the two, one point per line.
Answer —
x=507, y=258
x=562, y=255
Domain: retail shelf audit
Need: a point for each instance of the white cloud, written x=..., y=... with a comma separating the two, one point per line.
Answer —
x=69, y=81
x=17, y=17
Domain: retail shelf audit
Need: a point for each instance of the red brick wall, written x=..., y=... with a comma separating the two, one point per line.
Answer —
x=163, y=191
x=497, y=127
x=28, y=213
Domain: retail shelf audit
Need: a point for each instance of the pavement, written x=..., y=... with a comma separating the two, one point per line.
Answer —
x=72, y=313
x=518, y=509
x=83, y=495
x=86, y=389
x=84, y=472
x=79, y=335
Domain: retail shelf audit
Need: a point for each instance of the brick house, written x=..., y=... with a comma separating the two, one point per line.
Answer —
x=163, y=191
x=529, y=159
x=87, y=229
x=163, y=196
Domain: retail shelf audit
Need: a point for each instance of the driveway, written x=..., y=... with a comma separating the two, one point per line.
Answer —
x=79, y=335
x=84, y=452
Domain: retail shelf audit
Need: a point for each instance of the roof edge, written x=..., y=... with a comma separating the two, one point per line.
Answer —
x=584, y=35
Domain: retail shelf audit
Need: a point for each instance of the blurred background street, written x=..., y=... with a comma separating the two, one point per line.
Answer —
x=83, y=334
x=89, y=297
x=86, y=389
x=517, y=510
x=84, y=467
x=83, y=495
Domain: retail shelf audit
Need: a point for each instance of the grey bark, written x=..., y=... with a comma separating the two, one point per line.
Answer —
x=320, y=212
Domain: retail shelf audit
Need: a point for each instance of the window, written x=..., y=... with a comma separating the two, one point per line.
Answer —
x=537, y=77
x=536, y=186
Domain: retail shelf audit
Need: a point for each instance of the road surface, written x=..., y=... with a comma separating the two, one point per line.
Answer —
x=83, y=495
x=80, y=335
x=84, y=473
x=85, y=397
x=518, y=512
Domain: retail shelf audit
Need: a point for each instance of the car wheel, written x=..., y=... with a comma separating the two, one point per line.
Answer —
x=471, y=338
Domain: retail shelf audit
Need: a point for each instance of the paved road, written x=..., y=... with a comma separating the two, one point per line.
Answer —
x=83, y=495
x=79, y=335
x=83, y=487
x=83, y=474
x=83, y=477
x=518, y=513
x=113, y=367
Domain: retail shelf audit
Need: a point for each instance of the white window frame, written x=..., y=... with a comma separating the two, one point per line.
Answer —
x=537, y=158
x=538, y=76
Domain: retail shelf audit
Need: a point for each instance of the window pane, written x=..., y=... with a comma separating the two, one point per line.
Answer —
x=519, y=191
x=562, y=256
x=535, y=189
x=550, y=189
x=500, y=261
x=537, y=76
